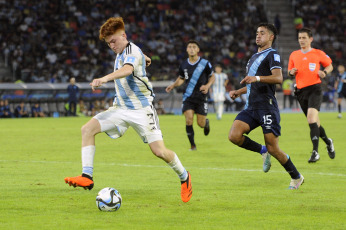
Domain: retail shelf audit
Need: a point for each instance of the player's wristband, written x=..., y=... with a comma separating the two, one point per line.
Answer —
x=258, y=78
x=325, y=72
x=289, y=73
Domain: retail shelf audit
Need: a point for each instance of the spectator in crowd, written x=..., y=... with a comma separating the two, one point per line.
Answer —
x=21, y=110
x=5, y=110
x=160, y=107
x=36, y=110
x=82, y=109
x=109, y=103
x=72, y=91
x=1, y=108
x=287, y=87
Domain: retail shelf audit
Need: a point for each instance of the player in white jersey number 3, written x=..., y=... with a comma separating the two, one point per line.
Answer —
x=132, y=107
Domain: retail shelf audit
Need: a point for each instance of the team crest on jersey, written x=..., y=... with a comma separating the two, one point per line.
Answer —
x=130, y=60
x=312, y=66
x=186, y=75
x=277, y=57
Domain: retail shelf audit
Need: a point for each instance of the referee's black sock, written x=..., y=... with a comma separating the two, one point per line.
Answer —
x=323, y=135
x=251, y=145
x=291, y=169
x=314, y=135
x=339, y=108
x=190, y=134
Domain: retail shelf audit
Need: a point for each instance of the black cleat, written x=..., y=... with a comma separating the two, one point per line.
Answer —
x=314, y=157
x=331, y=150
x=206, y=127
x=193, y=148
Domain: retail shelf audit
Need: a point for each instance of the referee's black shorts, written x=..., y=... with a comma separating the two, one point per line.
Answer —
x=310, y=97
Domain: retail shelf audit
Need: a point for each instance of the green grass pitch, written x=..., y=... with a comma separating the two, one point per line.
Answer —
x=230, y=191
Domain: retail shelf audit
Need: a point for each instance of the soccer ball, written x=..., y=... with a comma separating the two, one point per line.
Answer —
x=108, y=200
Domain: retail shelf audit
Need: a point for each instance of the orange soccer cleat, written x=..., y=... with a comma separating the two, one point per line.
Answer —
x=83, y=181
x=186, y=189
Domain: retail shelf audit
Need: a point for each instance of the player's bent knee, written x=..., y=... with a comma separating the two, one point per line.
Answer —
x=88, y=129
x=235, y=139
x=273, y=150
x=159, y=152
x=201, y=124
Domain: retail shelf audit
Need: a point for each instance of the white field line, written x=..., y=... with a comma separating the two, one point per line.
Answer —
x=164, y=166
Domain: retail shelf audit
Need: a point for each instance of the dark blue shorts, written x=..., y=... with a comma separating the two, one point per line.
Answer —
x=269, y=120
x=199, y=108
x=342, y=94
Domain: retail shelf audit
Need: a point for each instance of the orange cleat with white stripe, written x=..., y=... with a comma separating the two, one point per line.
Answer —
x=186, y=189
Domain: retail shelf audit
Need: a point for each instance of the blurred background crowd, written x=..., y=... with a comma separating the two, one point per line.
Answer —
x=51, y=41
x=58, y=39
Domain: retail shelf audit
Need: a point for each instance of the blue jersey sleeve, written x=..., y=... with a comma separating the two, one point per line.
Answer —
x=181, y=71
x=274, y=61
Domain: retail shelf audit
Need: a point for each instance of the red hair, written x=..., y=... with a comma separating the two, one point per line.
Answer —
x=111, y=26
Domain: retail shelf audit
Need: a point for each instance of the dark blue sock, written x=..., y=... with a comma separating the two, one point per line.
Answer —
x=251, y=145
x=190, y=134
x=264, y=149
x=291, y=169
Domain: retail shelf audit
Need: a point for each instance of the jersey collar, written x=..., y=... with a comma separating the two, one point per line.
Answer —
x=188, y=60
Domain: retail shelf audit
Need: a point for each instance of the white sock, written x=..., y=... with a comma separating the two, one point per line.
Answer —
x=88, y=153
x=219, y=110
x=178, y=168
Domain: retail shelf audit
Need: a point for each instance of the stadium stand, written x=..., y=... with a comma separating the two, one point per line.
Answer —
x=51, y=41
x=327, y=20
x=42, y=39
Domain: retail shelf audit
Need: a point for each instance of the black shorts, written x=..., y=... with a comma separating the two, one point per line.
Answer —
x=310, y=97
x=342, y=94
x=199, y=108
x=269, y=120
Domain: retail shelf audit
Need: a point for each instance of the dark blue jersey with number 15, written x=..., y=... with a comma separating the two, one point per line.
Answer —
x=262, y=95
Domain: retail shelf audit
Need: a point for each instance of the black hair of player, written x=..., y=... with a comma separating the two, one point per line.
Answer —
x=306, y=30
x=271, y=28
x=193, y=42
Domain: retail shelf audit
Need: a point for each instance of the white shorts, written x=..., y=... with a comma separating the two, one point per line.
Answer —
x=219, y=97
x=115, y=121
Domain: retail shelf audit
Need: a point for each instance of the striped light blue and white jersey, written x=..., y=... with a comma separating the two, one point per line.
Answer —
x=134, y=91
x=218, y=88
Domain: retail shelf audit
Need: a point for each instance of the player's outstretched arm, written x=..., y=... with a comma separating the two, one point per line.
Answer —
x=124, y=71
x=177, y=83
